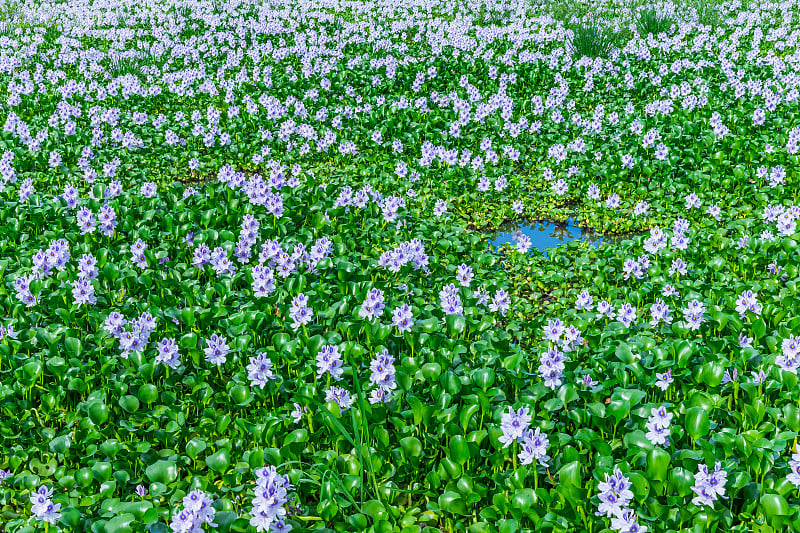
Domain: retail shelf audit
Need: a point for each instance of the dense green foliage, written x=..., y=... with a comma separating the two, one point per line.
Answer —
x=346, y=159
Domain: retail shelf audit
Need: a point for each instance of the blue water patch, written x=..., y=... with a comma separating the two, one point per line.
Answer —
x=546, y=234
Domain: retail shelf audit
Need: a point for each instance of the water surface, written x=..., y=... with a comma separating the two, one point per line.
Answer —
x=547, y=234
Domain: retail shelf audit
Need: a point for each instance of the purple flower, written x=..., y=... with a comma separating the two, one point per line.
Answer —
x=403, y=318
x=514, y=424
x=373, y=305
x=626, y=522
x=664, y=380
x=464, y=275
x=748, y=301
x=382, y=375
x=329, y=361
x=259, y=371
x=87, y=267
x=141, y=491
x=730, y=376
x=500, y=302
x=708, y=486
x=584, y=302
x=450, y=301
x=168, y=353
x=341, y=396
x=299, y=311
x=86, y=220
x=534, y=447
x=615, y=494
x=83, y=292
x=298, y=412
x=626, y=314
x=216, y=350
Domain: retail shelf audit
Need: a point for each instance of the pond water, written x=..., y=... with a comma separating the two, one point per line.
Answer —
x=546, y=234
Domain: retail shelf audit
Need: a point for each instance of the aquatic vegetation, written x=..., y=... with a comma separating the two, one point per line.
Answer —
x=246, y=284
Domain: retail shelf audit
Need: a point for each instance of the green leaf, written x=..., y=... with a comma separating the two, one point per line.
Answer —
x=219, y=461
x=459, y=449
x=195, y=446
x=73, y=347
x=697, y=423
x=120, y=524
x=162, y=472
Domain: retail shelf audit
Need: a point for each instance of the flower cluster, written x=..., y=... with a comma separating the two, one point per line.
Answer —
x=403, y=318
x=329, y=360
x=450, y=301
x=259, y=371
x=382, y=377
x=708, y=486
x=615, y=496
x=516, y=428
x=789, y=360
x=269, y=503
x=216, y=350
x=340, y=396
x=137, y=253
x=197, y=511
x=133, y=335
x=373, y=305
x=658, y=426
x=412, y=251
x=43, y=508
x=263, y=281
x=748, y=301
x=693, y=314
x=299, y=311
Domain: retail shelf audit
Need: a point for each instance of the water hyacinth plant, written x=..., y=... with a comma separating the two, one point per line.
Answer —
x=247, y=285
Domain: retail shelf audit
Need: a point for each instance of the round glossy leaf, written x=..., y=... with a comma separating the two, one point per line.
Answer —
x=162, y=472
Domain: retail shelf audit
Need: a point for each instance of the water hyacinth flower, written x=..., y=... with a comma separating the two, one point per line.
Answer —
x=615, y=494
x=584, y=302
x=748, y=301
x=298, y=412
x=403, y=318
x=693, y=314
x=216, y=350
x=551, y=367
x=87, y=267
x=271, y=496
x=514, y=424
x=664, y=380
x=137, y=253
x=382, y=375
x=708, y=486
x=627, y=522
x=299, y=311
x=43, y=508
x=259, y=371
x=263, y=281
x=464, y=276
x=341, y=396
x=501, y=301
x=168, y=353
x=83, y=292
x=658, y=426
x=197, y=510
x=534, y=447
x=329, y=361
x=450, y=301
x=789, y=360
x=373, y=305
